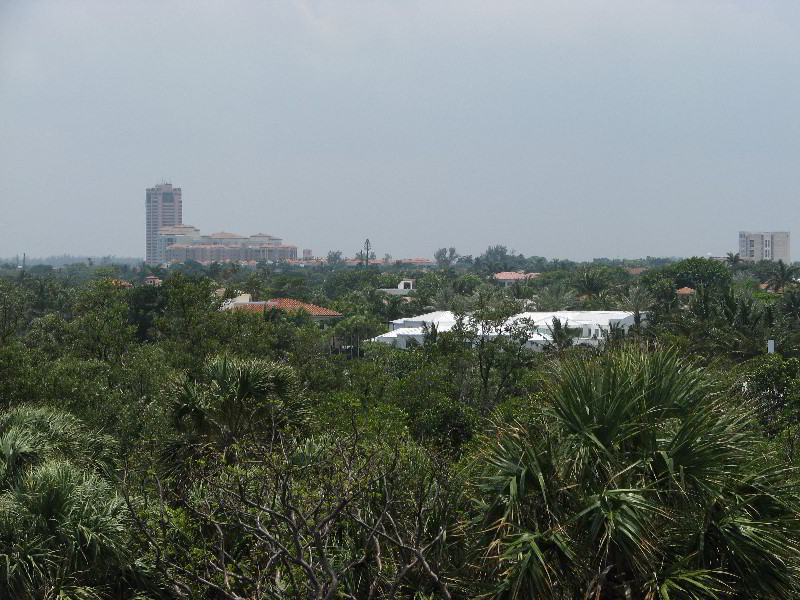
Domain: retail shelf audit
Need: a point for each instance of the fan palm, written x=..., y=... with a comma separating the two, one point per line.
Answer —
x=32, y=435
x=636, y=480
x=63, y=530
x=231, y=400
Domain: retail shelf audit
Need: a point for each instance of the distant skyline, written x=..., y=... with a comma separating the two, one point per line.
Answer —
x=599, y=128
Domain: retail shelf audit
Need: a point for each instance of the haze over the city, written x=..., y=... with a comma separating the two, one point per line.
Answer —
x=557, y=128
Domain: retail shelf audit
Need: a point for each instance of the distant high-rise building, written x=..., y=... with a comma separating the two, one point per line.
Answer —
x=164, y=209
x=764, y=245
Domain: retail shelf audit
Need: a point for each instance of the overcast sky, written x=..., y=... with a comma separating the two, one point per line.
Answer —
x=619, y=128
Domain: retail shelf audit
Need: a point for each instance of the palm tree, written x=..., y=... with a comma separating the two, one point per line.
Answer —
x=591, y=282
x=738, y=327
x=637, y=300
x=635, y=480
x=783, y=276
x=233, y=399
x=790, y=303
x=62, y=527
x=733, y=260
x=556, y=297
x=30, y=436
x=562, y=335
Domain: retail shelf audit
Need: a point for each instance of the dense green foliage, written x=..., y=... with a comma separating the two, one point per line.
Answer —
x=155, y=446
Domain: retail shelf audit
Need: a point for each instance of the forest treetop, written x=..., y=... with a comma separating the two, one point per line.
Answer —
x=154, y=446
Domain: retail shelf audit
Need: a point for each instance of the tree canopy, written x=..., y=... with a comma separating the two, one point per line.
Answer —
x=155, y=446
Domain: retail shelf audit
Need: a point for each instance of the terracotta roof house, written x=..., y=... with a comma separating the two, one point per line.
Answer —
x=289, y=305
x=292, y=305
x=685, y=291
x=508, y=278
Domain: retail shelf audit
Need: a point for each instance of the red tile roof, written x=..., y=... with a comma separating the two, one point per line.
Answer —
x=685, y=291
x=287, y=305
x=291, y=305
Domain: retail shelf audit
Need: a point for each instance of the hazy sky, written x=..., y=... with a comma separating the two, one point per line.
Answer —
x=618, y=128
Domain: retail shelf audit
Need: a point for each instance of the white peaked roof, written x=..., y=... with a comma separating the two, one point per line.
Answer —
x=594, y=317
x=392, y=335
x=439, y=316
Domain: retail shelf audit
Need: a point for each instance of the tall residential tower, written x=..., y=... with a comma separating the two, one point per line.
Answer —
x=164, y=209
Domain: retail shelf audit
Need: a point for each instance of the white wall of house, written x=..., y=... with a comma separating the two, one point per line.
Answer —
x=594, y=326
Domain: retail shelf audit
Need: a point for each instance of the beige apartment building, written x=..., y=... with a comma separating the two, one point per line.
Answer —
x=209, y=253
x=764, y=245
x=176, y=234
x=164, y=208
x=184, y=242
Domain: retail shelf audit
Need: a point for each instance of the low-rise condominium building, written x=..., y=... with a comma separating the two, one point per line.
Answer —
x=184, y=242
